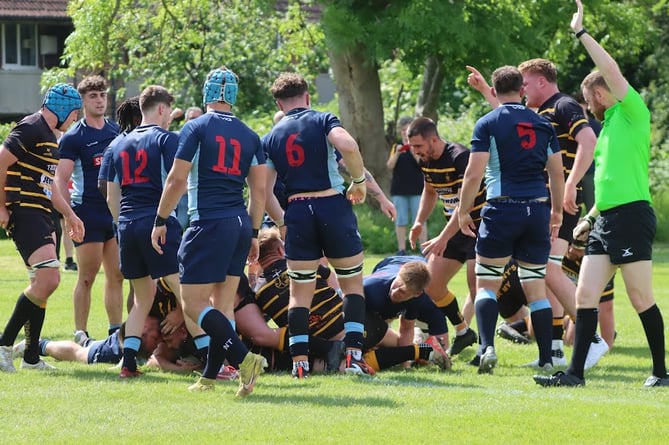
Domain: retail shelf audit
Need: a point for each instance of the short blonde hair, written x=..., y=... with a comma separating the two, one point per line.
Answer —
x=415, y=275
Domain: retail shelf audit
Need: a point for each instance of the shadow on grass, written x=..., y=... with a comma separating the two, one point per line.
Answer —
x=302, y=398
x=634, y=351
x=109, y=374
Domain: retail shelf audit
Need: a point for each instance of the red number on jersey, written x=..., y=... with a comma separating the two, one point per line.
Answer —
x=135, y=177
x=294, y=152
x=528, y=137
x=236, y=156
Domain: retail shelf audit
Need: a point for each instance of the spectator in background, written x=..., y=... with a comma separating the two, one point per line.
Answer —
x=406, y=186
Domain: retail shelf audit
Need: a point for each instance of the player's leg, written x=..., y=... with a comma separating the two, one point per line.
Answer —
x=113, y=286
x=89, y=256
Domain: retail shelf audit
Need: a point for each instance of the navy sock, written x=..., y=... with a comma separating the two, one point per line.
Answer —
x=22, y=311
x=131, y=347
x=224, y=342
x=202, y=346
x=354, y=320
x=542, y=319
x=653, y=326
x=486, y=318
x=298, y=331
x=586, y=325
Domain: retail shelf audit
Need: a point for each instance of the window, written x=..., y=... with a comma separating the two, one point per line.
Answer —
x=19, y=42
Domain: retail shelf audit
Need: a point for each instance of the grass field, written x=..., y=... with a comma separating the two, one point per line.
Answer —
x=81, y=404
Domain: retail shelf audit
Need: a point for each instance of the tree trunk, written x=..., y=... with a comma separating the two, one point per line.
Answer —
x=428, y=96
x=361, y=108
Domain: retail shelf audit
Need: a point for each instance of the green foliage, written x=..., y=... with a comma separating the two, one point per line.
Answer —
x=378, y=232
x=5, y=129
x=661, y=206
x=177, y=43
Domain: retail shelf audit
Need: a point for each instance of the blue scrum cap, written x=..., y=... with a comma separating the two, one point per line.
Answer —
x=220, y=86
x=62, y=99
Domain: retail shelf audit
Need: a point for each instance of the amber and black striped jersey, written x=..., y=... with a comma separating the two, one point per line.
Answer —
x=445, y=176
x=567, y=118
x=572, y=267
x=326, y=316
x=29, y=180
x=164, y=301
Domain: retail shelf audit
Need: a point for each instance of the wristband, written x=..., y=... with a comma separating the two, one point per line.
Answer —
x=279, y=222
x=254, y=233
x=359, y=180
x=581, y=32
x=591, y=220
x=159, y=221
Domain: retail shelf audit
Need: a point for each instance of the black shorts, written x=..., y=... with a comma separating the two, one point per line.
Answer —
x=569, y=222
x=460, y=248
x=375, y=330
x=30, y=229
x=510, y=296
x=624, y=233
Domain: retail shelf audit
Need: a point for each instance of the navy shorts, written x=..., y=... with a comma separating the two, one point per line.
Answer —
x=519, y=230
x=460, y=248
x=429, y=313
x=30, y=229
x=212, y=249
x=105, y=351
x=139, y=258
x=98, y=223
x=624, y=233
x=320, y=227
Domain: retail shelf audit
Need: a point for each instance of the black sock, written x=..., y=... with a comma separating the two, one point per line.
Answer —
x=298, y=331
x=424, y=351
x=519, y=325
x=354, y=320
x=558, y=328
x=653, y=326
x=586, y=325
x=452, y=312
x=33, y=329
x=319, y=347
x=387, y=357
x=22, y=311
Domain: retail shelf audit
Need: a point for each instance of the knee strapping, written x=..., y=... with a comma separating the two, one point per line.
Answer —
x=488, y=271
x=345, y=272
x=46, y=264
x=555, y=259
x=302, y=276
x=531, y=273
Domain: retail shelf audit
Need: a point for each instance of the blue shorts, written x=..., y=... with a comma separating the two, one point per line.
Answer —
x=519, y=230
x=407, y=208
x=320, y=227
x=105, y=351
x=98, y=223
x=212, y=249
x=138, y=257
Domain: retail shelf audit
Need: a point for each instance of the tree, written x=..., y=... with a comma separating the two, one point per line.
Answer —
x=176, y=43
